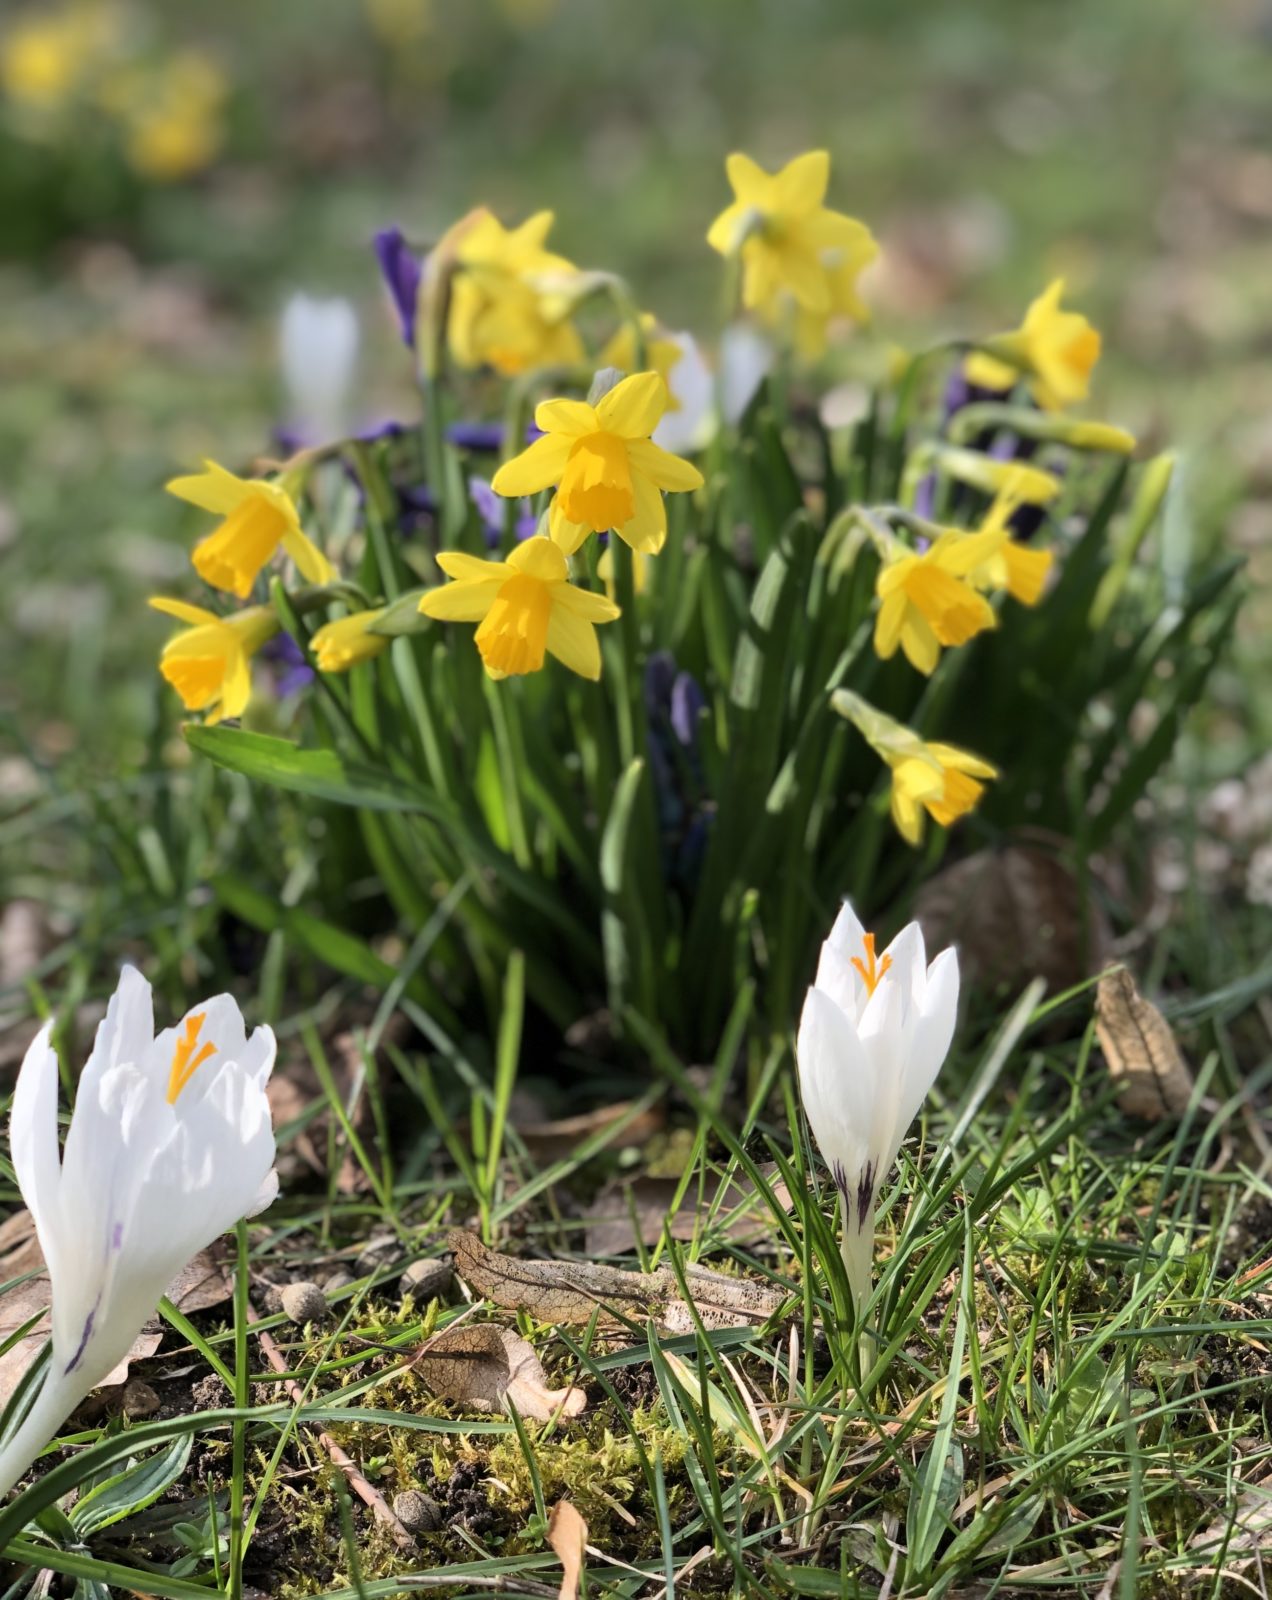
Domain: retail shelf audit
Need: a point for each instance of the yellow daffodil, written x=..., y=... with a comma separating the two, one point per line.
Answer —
x=1054, y=348
x=174, y=118
x=926, y=601
x=1032, y=486
x=1016, y=568
x=346, y=643
x=257, y=517
x=208, y=664
x=45, y=58
x=793, y=249
x=610, y=473
x=507, y=308
x=525, y=606
x=606, y=573
x=661, y=354
x=939, y=779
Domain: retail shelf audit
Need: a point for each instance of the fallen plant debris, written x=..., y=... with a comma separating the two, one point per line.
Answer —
x=483, y=1367
x=567, y=1534
x=644, y=1206
x=1153, y=1079
x=576, y=1291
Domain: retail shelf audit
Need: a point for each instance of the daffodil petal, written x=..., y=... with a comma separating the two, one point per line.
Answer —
x=462, y=601
x=749, y=181
x=646, y=529
x=801, y=184
x=464, y=568
x=568, y=536
x=586, y=603
x=535, y=468
x=180, y=609
x=308, y=557
x=663, y=468
x=571, y=417
x=572, y=640
x=213, y=489
x=632, y=408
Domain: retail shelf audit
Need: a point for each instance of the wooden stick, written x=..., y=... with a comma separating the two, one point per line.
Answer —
x=365, y=1491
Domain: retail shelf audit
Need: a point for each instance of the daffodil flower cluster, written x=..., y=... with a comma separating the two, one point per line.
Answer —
x=616, y=421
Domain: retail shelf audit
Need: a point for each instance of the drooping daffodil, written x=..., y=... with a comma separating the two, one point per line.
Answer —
x=509, y=301
x=208, y=664
x=872, y=1036
x=170, y=1144
x=609, y=472
x=526, y=607
x=1055, y=349
x=926, y=601
x=348, y=641
x=1019, y=569
x=939, y=779
x=256, y=518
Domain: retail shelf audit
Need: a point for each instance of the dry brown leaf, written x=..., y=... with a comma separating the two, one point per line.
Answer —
x=482, y=1366
x=741, y=1213
x=567, y=1534
x=198, y=1286
x=1015, y=914
x=1153, y=1079
x=575, y=1291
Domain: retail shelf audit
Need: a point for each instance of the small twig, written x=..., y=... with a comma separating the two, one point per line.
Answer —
x=365, y=1491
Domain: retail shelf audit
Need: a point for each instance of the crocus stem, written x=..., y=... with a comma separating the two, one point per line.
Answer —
x=57, y=1398
x=857, y=1249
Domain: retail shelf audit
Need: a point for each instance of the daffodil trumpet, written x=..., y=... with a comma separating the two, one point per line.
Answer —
x=170, y=1144
x=873, y=1034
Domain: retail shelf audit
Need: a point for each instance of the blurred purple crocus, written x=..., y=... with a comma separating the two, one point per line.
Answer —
x=674, y=703
x=402, y=270
x=291, y=672
x=476, y=435
x=491, y=508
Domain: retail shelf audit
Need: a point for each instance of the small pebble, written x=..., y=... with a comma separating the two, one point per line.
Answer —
x=304, y=1302
x=272, y=1300
x=138, y=1400
x=426, y=1280
x=335, y=1281
x=417, y=1512
x=377, y=1253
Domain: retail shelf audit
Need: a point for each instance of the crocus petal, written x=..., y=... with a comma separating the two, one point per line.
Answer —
x=932, y=1034
x=33, y=1134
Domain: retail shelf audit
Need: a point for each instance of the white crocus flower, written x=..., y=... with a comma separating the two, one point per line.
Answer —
x=872, y=1037
x=746, y=359
x=692, y=386
x=319, y=351
x=170, y=1144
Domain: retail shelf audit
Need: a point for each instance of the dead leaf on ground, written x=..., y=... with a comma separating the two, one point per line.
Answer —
x=741, y=1212
x=482, y=1366
x=1153, y=1080
x=1015, y=914
x=575, y=1291
x=198, y=1286
x=567, y=1534
x=552, y=1140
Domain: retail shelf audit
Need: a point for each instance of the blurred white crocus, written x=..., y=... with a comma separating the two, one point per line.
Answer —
x=319, y=352
x=874, y=1032
x=702, y=397
x=170, y=1144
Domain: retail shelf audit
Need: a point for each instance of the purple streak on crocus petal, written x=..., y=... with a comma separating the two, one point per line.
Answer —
x=476, y=435
x=402, y=270
x=83, y=1344
x=687, y=701
x=117, y=1236
x=387, y=428
x=925, y=497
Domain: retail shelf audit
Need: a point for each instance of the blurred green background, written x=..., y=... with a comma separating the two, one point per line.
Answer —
x=161, y=198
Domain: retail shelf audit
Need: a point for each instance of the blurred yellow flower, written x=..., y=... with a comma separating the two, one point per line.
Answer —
x=208, y=664
x=1030, y=485
x=926, y=601
x=509, y=300
x=44, y=58
x=1018, y=569
x=526, y=606
x=661, y=354
x=609, y=470
x=257, y=517
x=794, y=251
x=606, y=573
x=939, y=779
x=346, y=643
x=1054, y=348
x=173, y=118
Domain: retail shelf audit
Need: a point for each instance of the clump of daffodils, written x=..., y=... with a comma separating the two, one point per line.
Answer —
x=169, y=1145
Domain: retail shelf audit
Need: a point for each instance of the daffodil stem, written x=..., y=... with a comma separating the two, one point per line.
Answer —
x=630, y=699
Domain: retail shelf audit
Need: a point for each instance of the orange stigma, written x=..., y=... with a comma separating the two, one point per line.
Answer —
x=870, y=969
x=184, y=1061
